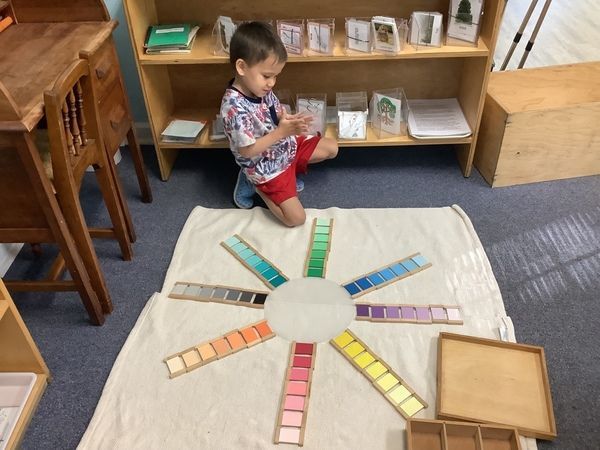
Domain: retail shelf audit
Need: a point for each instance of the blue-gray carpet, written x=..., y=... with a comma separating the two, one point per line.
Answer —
x=543, y=241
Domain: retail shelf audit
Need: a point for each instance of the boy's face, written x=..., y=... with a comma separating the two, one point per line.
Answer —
x=261, y=77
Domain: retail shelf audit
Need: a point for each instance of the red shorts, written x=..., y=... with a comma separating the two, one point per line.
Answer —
x=283, y=186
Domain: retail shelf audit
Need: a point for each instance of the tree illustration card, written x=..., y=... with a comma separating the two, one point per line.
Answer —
x=388, y=117
x=463, y=22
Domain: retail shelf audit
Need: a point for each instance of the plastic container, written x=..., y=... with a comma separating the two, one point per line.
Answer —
x=15, y=388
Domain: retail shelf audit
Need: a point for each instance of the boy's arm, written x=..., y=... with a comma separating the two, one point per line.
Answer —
x=262, y=143
x=288, y=126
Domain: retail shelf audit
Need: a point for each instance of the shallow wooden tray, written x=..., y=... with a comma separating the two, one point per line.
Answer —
x=484, y=380
x=424, y=434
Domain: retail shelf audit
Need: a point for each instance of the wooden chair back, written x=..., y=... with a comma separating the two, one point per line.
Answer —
x=29, y=211
x=71, y=116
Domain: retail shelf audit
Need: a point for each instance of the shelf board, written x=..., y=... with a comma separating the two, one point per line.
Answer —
x=372, y=140
x=202, y=53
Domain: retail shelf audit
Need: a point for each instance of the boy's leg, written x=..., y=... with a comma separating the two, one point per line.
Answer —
x=243, y=192
x=327, y=148
x=290, y=211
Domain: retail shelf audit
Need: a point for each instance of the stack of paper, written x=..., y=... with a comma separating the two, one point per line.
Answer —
x=182, y=131
x=437, y=118
x=173, y=38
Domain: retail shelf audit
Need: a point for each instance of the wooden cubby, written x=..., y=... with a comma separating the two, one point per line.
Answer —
x=423, y=434
x=190, y=86
x=18, y=353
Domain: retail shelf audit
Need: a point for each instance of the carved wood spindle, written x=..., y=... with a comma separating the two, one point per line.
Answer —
x=74, y=124
x=67, y=128
x=80, y=114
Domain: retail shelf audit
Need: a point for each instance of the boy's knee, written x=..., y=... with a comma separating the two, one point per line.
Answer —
x=296, y=219
x=332, y=148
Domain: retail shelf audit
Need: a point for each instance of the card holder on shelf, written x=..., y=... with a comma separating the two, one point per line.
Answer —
x=291, y=33
x=426, y=29
x=316, y=106
x=221, y=34
x=359, y=37
x=464, y=22
x=285, y=98
x=321, y=33
x=389, y=113
x=389, y=34
x=353, y=112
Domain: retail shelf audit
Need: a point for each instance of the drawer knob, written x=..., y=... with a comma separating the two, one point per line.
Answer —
x=114, y=124
x=100, y=73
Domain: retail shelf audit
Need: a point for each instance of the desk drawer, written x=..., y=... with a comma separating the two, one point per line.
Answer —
x=105, y=69
x=114, y=117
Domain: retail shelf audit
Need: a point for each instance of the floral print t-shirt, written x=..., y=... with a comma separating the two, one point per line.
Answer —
x=245, y=119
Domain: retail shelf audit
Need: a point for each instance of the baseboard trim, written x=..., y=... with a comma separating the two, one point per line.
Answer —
x=8, y=253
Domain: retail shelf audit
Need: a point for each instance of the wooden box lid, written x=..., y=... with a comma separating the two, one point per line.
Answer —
x=484, y=380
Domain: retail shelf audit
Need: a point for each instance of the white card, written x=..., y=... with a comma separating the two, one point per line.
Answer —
x=359, y=35
x=426, y=29
x=385, y=34
x=319, y=37
x=316, y=109
x=464, y=19
x=352, y=125
x=291, y=36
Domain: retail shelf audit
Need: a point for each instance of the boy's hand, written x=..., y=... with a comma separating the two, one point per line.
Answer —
x=293, y=124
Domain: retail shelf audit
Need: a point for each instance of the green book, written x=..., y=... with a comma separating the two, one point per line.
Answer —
x=169, y=35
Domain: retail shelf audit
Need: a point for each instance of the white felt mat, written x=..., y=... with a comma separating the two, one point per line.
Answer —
x=232, y=403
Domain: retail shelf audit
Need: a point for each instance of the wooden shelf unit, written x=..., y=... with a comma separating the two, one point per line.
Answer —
x=191, y=85
x=18, y=353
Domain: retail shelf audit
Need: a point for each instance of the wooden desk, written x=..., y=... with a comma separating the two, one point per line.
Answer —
x=45, y=39
x=34, y=54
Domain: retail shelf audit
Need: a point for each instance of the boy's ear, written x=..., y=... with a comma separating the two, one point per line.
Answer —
x=241, y=67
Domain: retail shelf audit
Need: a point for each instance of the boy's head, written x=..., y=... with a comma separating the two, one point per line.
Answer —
x=258, y=56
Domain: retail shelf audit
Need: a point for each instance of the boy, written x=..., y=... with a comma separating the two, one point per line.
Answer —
x=269, y=145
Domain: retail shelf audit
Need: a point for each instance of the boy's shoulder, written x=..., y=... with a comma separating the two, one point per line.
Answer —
x=232, y=99
x=232, y=94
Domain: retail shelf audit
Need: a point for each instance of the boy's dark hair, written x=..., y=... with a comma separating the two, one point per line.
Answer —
x=254, y=42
